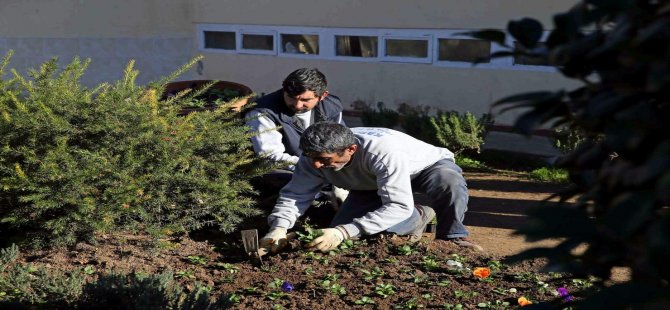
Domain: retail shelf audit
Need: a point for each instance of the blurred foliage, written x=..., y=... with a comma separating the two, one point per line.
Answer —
x=379, y=116
x=549, y=175
x=75, y=160
x=620, y=52
x=461, y=132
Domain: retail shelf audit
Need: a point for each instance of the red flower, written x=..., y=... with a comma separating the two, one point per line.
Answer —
x=481, y=272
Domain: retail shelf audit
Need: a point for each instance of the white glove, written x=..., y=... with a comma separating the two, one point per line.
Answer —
x=273, y=241
x=331, y=238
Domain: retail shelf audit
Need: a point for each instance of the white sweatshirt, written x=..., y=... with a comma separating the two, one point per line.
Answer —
x=386, y=160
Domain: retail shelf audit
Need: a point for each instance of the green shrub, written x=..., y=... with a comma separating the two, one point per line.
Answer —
x=416, y=122
x=75, y=160
x=551, y=175
x=618, y=51
x=377, y=117
x=461, y=132
x=24, y=284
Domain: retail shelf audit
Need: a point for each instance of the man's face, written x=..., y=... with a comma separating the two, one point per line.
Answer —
x=333, y=161
x=303, y=102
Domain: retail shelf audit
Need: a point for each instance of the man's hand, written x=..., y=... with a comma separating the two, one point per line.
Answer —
x=273, y=241
x=330, y=239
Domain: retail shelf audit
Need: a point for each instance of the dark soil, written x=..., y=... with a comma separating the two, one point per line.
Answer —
x=426, y=277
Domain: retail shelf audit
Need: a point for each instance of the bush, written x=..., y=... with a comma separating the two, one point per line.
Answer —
x=416, y=121
x=377, y=117
x=621, y=171
x=461, y=132
x=75, y=160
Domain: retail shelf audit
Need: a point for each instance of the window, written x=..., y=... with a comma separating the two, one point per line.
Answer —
x=262, y=42
x=531, y=60
x=356, y=46
x=412, y=48
x=300, y=44
x=220, y=39
x=464, y=50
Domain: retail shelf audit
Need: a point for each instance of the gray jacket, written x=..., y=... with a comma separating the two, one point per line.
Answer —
x=386, y=160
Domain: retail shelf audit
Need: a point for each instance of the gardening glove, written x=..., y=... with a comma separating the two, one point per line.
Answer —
x=275, y=240
x=329, y=240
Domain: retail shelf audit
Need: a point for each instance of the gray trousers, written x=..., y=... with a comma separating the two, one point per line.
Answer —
x=444, y=185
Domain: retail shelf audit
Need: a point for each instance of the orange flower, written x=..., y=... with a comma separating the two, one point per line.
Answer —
x=523, y=301
x=481, y=272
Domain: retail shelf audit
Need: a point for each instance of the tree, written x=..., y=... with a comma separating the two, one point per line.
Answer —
x=620, y=51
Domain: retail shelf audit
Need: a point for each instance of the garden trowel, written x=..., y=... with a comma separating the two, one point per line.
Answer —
x=250, y=241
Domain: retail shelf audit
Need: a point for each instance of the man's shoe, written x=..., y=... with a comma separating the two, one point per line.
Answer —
x=427, y=215
x=465, y=243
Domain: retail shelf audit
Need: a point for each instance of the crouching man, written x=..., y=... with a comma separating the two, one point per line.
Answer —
x=381, y=168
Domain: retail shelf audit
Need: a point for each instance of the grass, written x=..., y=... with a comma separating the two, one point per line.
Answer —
x=549, y=175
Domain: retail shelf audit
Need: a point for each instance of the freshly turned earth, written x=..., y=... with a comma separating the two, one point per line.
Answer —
x=497, y=204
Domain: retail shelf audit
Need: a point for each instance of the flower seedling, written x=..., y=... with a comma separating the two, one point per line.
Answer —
x=287, y=287
x=563, y=292
x=500, y=291
x=495, y=265
x=234, y=298
x=452, y=307
x=362, y=254
x=384, y=290
x=465, y=295
x=230, y=268
x=417, y=278
x=582, y=283
x=369, y=275
x=317, y=257
x=308, y=271
x=228, y=279
x=405, y=250
x=444, y=283
x=276, y=283
x=391, y=260
x=275, y=295
x=269, y=269
x=411, y=304
x=89, y=270
x=365, y=300
x=430, y=263
x=498, y=304
x=427, y=296
x=309, y=234
x=186, y=274
x=277, y=307
x=197, y=260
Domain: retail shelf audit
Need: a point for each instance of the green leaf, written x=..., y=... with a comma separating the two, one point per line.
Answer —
x=526, y=31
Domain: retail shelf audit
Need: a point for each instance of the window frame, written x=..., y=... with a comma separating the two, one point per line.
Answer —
x=246, y=31
x=429, y=46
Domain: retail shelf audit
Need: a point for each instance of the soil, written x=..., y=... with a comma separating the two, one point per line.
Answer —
x=497, y=205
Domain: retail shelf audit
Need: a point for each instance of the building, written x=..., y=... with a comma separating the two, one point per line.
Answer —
x=391, y=51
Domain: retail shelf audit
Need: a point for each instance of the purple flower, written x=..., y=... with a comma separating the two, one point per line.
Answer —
x=563, y=292
x=287, y=287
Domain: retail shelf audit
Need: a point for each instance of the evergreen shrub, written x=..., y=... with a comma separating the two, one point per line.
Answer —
x=461, y=132
x=76, y=160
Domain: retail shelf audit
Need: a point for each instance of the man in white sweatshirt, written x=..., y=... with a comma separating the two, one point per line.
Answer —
x=381, y=168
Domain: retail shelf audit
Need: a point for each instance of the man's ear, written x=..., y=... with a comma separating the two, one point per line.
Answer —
x=352, y=148
x=324, y=95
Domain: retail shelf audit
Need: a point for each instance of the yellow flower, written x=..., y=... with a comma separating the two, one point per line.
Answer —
x=481, y=272
x=523, y=301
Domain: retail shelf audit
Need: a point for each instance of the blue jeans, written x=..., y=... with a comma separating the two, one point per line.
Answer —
x=442, y=182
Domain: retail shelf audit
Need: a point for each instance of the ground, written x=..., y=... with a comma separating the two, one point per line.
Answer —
x=426, y=274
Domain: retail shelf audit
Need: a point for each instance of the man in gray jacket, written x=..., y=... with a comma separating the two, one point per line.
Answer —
x=381, y=168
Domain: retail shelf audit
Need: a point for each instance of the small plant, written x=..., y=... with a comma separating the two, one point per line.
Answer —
x=405, y=249
x=309, y=234
x=391, y=260
x=89, y=270
x=269, y=269
x=234, y=298
x=444, y=283
x=369, y=275
x=197, y=260
x=498, y=304
x=452, y=306
x=465, y=295
x=412, y=303
x=317, y=257
x=365, y=300
x=384, y=290
x=308, y=271
x=275, y=295
x=430, y=263
x=230, y=268
x=185, y=274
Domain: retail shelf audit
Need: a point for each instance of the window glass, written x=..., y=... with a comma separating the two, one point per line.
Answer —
x=464, y=50
x=356, y=46
x=407, y=48
x=530, y=60
x=220, y=39
x=300, y=43
x=263, y=42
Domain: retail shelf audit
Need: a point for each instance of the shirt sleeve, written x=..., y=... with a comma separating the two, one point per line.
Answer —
x=268, y=141
x=295, y=198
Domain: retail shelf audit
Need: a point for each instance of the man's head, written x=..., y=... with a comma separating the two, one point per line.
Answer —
x=304, y=88
x=329, y=145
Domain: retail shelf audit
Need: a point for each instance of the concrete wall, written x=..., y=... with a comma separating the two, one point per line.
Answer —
x=466, y=14
x=156, y=33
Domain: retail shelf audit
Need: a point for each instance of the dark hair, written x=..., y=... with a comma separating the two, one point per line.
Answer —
x=326, y=137
x=305, y=79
